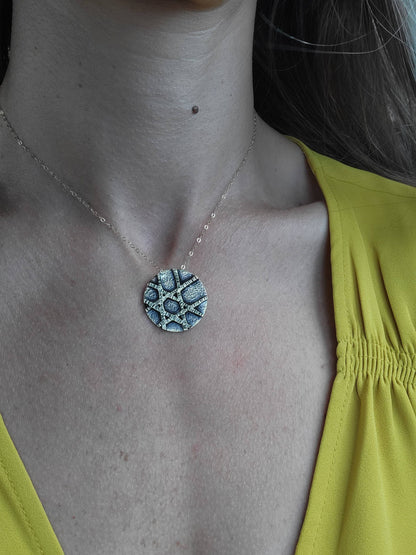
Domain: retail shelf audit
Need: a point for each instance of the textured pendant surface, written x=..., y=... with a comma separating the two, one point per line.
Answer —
x=175, y=300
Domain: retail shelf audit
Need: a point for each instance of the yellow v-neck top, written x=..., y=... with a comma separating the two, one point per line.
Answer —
x=363, y=494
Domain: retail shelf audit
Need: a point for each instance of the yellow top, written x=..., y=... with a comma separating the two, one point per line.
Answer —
x=363, y=495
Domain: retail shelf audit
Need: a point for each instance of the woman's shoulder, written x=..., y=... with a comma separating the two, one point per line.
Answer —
x=286, y=169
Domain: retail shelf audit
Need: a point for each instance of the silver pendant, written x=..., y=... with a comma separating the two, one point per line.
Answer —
x=175, y=300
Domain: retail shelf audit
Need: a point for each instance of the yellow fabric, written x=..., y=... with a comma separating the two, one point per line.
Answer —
x=363, y=495
x=24, y=526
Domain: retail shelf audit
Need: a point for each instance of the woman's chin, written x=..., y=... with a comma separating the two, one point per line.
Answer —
x=206, y=4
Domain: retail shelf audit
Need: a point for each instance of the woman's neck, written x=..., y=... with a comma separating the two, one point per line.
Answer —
x=103, y=92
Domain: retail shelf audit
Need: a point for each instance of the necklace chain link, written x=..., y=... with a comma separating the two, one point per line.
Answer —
x=104, y=220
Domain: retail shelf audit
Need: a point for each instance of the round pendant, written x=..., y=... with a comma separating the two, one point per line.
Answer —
x=175, y=300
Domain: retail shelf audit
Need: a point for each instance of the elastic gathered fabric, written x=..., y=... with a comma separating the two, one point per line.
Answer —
x=363, y=494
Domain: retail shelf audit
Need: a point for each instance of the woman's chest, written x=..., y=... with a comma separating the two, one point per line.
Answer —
x=138, y=440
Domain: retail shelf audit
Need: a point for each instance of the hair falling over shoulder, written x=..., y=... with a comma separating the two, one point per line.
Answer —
x=340, y=75
x=5, y=32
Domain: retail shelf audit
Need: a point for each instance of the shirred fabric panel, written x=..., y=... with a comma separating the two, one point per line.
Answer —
x=24, y=526
x=363, y=494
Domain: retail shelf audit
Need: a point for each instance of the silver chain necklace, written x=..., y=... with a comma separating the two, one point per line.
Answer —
x=175, y=300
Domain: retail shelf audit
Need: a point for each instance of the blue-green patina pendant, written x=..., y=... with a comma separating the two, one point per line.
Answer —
x=175, y=300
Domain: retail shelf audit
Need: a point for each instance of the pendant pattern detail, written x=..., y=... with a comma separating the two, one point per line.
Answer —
x=175, y=300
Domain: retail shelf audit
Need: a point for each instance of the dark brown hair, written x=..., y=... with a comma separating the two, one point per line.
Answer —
x=337, y=74
x=5, y=31
x=340, y=76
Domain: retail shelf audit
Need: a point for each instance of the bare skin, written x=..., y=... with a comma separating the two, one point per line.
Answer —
x=140, y=441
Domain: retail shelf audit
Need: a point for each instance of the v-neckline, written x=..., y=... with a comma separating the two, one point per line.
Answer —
x=31, y=496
